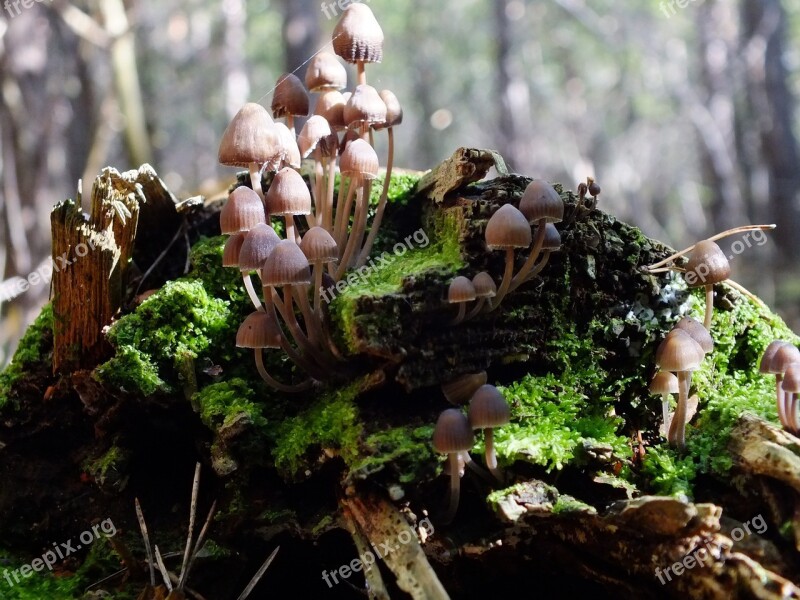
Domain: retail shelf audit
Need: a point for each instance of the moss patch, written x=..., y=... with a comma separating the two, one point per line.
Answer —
x=34, y=350
x=221, y=403
x=407, y=451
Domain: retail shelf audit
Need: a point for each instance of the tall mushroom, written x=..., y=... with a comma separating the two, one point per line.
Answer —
x=259, y=242
x=776, y=359
x=507, y=230
x=453, y=436
x=489, y=409
x=358, y=38
x=707, y=265
x=460, y=292
x=698, y=332
x=320, y=248
x=288, y=196
x=664, y=383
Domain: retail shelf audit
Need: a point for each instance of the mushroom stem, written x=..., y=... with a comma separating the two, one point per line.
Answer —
x=745, y=292
x=327, y=221
x=317, y=271
x=320, y=185
x=357, y=231
x=709, y=305
x=376, y=222
x=310, y=317
x=255, y=180
x=491, y=456
x=713, y=238
x=290, y=123
x=274, y=383
x=455, y=489
x=677, y=428
x=362, y=72
x=291, y=231
x=343, y=209
x=295, y=357
x=540, y=265
x=462, y=311
x=476, y=310
x=286, y=309
x=522, y=275
x=780, y=400
x=791, y=404
x=465, y=458
x=503, y=289
x=665, y=412
x=251, y=291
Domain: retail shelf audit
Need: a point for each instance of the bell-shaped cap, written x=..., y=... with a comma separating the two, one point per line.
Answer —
x=452, y=432
x=780, y=357
x=289, y=152
x=679, y=352
x=314, y=130
x=259, y=242
x=791, y=379
x=325, y=73
x=707, y=265
x=508, y=228
x=394, y=111
x=243, y=211
x=485, y=286
x=289, y=97
x=259, y=330
x=460, y=290
x=541, y=201
x=488, y=408
x=288, y=194
x=230, y=253
x=357, y=36
x=364, y=107
x=319, y=246
x=698, y=331
x=286, y=265
x=331, y=106
x=664, y=382
x=552, y=238
x=249, y=138
x=359, y=160
x=459, y=390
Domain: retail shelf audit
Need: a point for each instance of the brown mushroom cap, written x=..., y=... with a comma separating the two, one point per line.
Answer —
x=242, y=211
x=460, y=290
x=488, y=408
x=394, y=111
x=359, y=160
x=325, y=73
x=769, y=355
x=784, y=355
x=259, y=242
x=707, y=265
x=314, y=131
x=664, y=383
x=552, y=238
x=319, y=246
x=460, y=390
x=290, y=97
x=698, y=331
x=541, y=201
x=331, y=106
x=679, y=352
x=249, y=138
x=364, y=107
x=230, y=253
x=485, y=286
x=288, y=194
x=357, y=36
x=286, y=265
x=259, y=330
x=791, y=379
x=289, y=152
x=452, y=432
x=508, y=228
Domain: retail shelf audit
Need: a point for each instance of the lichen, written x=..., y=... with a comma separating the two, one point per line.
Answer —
x=34, y=350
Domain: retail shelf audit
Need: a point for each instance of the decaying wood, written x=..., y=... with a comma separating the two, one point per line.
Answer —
x=465, y=166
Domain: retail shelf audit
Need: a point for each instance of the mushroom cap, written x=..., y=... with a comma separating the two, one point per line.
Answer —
x=259, y=242
x=288, y=194
x=394, y=111
x=664, y=382
x=707, y=265
x=230, y=253
x=319, y=246
x=259, y=330
x=698, y=331
x=364, y=107
x=485, y=286
x=791, y=378
x=784, y=355
x=286, y=265
x=460, y=290
x=508, y=228
x=242, y=211
x=290, y=97
x=679, y=352
x=765, y=367
x=552, y=238
x=359, y=160
x=314, y=130
x=357, y=36
x=325, y=73
x=460, y=390
x=249, y=138
x=331, y=106
x=594, y=187
x=488, y=408
x=452, y=432
x=289, y=152
x=541, y=201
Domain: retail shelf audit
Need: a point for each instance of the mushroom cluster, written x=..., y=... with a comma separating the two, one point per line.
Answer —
x=782, y=359
x=530, y=227
x=453, y=434
x=320, y=243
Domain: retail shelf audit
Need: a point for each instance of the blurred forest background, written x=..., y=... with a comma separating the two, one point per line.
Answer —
x=687, y=117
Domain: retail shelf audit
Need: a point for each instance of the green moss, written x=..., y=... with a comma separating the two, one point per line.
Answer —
x=669, y=473
x=132, y=371
x=406, y=449
x=331, y=423
x=101, y=468
x=568, y=504
x=220, y=403
x=33, y=349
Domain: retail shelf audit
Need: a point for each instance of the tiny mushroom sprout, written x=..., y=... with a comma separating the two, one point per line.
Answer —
x=791, y=387
x=250, y=141
x=664, y=383
x=485, y=290
x=461, y=291
x=458, y=391
x=453, y=436
x=507, y=230
x=679, y=353
x=358, y=38
x=488, y=409
x=707, y=265
x=777, y=358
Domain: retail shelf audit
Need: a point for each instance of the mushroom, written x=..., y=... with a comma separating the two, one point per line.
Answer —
x=453, y=436
x=775, y=361
x=230, y=252
x=258, y=243
x=458, y=391
x=243, y=211
x=312, y=139
x=364, y=109
x=698, y=332
x=289, y=99
x=791, y=387
x=331, y=106
x=594, y=190
x=664, y=383
x=250, y=140
x=319, y=247
x=489, y=409
x=679, y=354
x=485, y=290
x=289, y=153
x=461, y=291
x=707, y=265
x=552, y=243
x=358, y=38
x=288, y=196
x=507, y=229
x=325, y=73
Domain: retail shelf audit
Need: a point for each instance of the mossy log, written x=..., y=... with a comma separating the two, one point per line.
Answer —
x=594, y=500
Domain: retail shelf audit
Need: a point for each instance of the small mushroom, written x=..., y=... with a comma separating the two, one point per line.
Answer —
x=458, y=391
x=258, y=243
x=230, y=252
x=707, y=265
x=320, y=248
x=461, y=291
x=358, y=38
x=489, y=409
x=664, y=383
x=453, y=436
x=552, y=243
x=507, y=229
x=289, y=99
x=698, y=332
x=791, y=387
x=485, y=290
x=325, y=73
x=288, y=196
x=775, y=361
x=243, y=211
